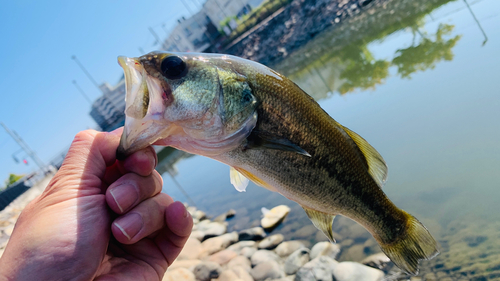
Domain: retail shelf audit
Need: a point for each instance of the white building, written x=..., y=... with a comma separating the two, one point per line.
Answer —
x=194, y=34
x=218, y=10
x=109, y=110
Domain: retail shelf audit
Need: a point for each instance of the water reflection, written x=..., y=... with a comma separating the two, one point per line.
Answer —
x=440, y=141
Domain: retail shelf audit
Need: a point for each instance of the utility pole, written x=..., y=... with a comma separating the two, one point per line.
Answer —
x=86, y=72
x=24, y=146
x=162, y=43
x=477, y=22
x=82, y=92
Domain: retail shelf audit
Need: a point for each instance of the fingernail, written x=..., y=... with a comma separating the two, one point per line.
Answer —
x=124, y=195
x=129, y=225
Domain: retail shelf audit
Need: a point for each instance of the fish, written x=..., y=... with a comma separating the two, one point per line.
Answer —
x=268, y=131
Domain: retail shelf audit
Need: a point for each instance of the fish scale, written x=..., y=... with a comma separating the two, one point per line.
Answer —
x=271, y=132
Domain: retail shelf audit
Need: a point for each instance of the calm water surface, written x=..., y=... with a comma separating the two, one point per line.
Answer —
x=419, y=82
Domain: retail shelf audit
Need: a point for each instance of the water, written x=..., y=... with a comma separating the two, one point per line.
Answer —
x=418, y=81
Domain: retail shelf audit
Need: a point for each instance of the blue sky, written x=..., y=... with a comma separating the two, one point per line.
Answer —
x=38, y=38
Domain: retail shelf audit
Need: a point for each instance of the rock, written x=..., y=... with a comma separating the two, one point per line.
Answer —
x=320, y=268
x=274, y=217
x=271, y=242
x=353, y=271
x=187, y=264
x=8, y=230
x=379, y=260
x=226, y=215
x=354, y=253
x=263, y=256
x=240, y=261
x=240, y=245
x=286, y=248
x=210, y=228
x=346, y=243
x=215, y=244
x=191, y=250
x=248, y=251
x=199, y=215
x=267, y=270
x=325, y=249
x=356, y=232
x=254, y=233
x=305, y=231
x=228, y=275
x=296, y=260
x=197, y=234
x=242, y=273
x=223, y=256
x=179, y=274
x=206, y=271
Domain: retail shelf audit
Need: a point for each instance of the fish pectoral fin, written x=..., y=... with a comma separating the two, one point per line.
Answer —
x=259, y=140
x=239, y=181
x=376, y=164
x=321, y=221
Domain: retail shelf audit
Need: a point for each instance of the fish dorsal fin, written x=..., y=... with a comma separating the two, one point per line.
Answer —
x=239, y=181
x=321, y=221
x=376, y=164
x=259, y=140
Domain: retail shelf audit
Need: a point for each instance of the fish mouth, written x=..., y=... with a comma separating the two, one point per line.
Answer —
x=144, y=121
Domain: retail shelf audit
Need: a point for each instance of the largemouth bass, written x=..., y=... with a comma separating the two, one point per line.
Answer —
x=271, y=132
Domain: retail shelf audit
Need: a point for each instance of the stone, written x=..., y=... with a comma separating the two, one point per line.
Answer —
x=228, y=275
x=188, y=264
x=267, y=270
x=197, y=234
x=296, y=260
x=379, y=261
x=240, y=245
x=240, y=261
x=274, y=216
x=271, y=242
x=191, y=250
x=242, y=273
x=325, y=249
x=320, y=268
x=254, y=233
x=226, y=215
x=199, y=215
x=248, y=251
x=354, y=253
x=223, y=256
x=263, y=256
x=210, y=228
x=352, y=271
x=8, y=230
x=206, y=271
x=284, y=249
x=179, y=274
x=305, y=232
x=215, y=244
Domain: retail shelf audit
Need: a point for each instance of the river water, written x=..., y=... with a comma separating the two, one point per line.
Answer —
x=420, y=81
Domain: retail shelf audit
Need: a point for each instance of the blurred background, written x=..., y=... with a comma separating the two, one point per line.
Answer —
x=417, y=79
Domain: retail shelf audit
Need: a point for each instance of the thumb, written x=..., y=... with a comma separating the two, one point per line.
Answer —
x=90, y=153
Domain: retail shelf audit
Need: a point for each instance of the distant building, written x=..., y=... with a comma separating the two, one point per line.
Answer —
x=218, y=10
x=194, y=34
x=108, y=111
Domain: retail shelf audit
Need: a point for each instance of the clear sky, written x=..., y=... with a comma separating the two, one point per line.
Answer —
x=38, y=39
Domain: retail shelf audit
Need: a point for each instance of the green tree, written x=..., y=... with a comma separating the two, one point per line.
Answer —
x=12, y=179
x=427, y=53
x=362, y=70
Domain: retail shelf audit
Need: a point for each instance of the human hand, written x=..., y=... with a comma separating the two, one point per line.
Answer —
x=98, y=219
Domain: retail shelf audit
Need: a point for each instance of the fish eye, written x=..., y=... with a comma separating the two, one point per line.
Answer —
x=247, y=96
x=173, y=67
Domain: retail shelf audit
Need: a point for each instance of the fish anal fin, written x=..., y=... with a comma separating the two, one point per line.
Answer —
x=259, y=140
x=321, y=221
x=255, y=179
x=376, y=164
x=239, y=181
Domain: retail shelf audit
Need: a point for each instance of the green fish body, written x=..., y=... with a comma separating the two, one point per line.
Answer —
x=269, y=131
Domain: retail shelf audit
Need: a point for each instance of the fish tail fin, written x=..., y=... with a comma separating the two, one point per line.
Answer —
x=415, y=245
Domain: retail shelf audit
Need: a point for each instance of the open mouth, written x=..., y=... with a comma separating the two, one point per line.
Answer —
x=143, y=110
